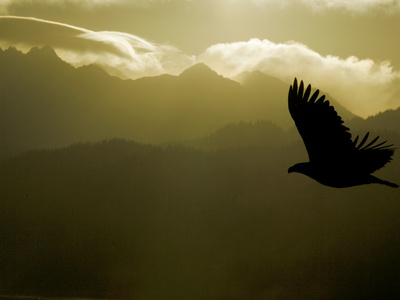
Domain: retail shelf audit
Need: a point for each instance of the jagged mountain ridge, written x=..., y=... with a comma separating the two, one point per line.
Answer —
x=48, y=103
x=260, y=84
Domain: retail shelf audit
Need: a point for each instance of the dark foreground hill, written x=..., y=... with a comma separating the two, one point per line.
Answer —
x=120, y=219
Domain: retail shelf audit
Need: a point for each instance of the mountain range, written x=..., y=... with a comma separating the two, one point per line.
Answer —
x=208, y=213
x=46, y=102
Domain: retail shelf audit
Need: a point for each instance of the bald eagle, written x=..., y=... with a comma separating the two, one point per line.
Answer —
x=334, y=159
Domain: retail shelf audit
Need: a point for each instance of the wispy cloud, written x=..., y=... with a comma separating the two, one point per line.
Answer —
x=87, y=4
x=362, y=85
x=119, y=53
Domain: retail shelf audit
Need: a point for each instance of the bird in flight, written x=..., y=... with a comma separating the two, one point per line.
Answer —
x=334, y=159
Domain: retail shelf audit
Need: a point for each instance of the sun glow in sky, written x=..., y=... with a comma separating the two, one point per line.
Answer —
x=346, y=48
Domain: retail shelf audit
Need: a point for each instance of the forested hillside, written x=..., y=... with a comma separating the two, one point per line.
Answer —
x=119, y=219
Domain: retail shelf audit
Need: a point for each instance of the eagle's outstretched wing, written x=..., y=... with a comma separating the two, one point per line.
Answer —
x=322, y=129
x=372, y=156
x=327, y=140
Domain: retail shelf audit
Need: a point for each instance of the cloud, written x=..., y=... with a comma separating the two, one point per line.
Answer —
x=359, y=6
x=121, y=54
x=389, y=6
x=362, y=85
x=5, y=5
x=354, y=5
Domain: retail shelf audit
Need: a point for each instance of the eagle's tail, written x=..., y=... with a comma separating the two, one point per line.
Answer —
x=385, y=182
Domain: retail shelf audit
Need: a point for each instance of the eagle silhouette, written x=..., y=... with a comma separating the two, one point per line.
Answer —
x=334, y=159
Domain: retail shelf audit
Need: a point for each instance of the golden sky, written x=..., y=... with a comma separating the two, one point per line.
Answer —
x=350, y=49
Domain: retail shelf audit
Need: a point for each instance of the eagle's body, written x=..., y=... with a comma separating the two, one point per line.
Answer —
x=335, y=160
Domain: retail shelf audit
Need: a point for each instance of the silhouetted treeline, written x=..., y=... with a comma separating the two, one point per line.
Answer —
x=388, y=120
x=120, y=219
x=243, y=134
